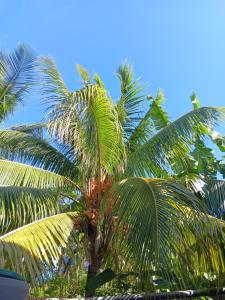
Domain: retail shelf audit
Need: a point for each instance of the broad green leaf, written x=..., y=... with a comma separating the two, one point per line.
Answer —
x=99, y=280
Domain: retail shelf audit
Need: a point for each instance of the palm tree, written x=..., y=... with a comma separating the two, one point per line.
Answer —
x=112, y=164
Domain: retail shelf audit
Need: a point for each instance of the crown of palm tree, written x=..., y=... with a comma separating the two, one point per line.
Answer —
x=113, y=162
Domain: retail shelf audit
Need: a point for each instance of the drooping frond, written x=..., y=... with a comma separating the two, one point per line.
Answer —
x=173, y=142
x=37, y=246
x=22, y=205
x=161, y=229
x=18, y=174
x=155, y=119
x=17, y=74
x=129, y=106
x=25, y=148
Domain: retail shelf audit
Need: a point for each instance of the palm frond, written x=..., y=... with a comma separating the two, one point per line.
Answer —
x=25, y=148
x=22, y=205
x=158, y=115
x=37, y=246
x=173, y=142
x=83, y=74
x=129, y=104
x=154, y=119
x=17, y=74
x=213, y=193
x=88, y=122
x=161, y=228
x=18, y=174
x=98, y=80
x=53, y=87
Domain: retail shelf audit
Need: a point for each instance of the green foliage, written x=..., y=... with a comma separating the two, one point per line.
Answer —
x=124, y=178
x=83, y=74
x=17, y=75
x=99, y=280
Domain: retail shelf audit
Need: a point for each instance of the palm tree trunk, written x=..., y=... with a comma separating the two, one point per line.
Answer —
x=94, y=258
x=93, y=270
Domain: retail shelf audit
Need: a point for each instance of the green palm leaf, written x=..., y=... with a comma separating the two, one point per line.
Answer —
x=17, y=74
x=172, y=143
x=26, y=148
x=159, y=227
x=22, y=205
x=155, y=119
x=52, y=84
x=128, y=106
x=85, y=119
x=38, y=245
x=83, y=74
x=18, y=174
x=88, y=122
x=213, y=192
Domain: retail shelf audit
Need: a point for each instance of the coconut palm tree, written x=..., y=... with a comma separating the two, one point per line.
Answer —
x=112, y=164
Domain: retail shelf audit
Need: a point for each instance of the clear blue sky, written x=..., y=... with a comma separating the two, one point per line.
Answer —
x=175, y=45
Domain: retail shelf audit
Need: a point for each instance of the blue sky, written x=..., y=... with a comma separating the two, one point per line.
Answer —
x=175, y=45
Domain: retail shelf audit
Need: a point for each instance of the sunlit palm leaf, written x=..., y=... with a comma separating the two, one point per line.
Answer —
x=53, y=86
x=17, y=74
x=26, y=148
x=173, y=142
x=98, y=80
x=83, y=74
x=130, y=111
x=154, y=119
x=35, y=246
x=88, y=121
x=18, y=174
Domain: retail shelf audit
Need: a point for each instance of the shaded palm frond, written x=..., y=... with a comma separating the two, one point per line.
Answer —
x=213, y=193
x=173, y=142
x=162, y=230
x=22, y=205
